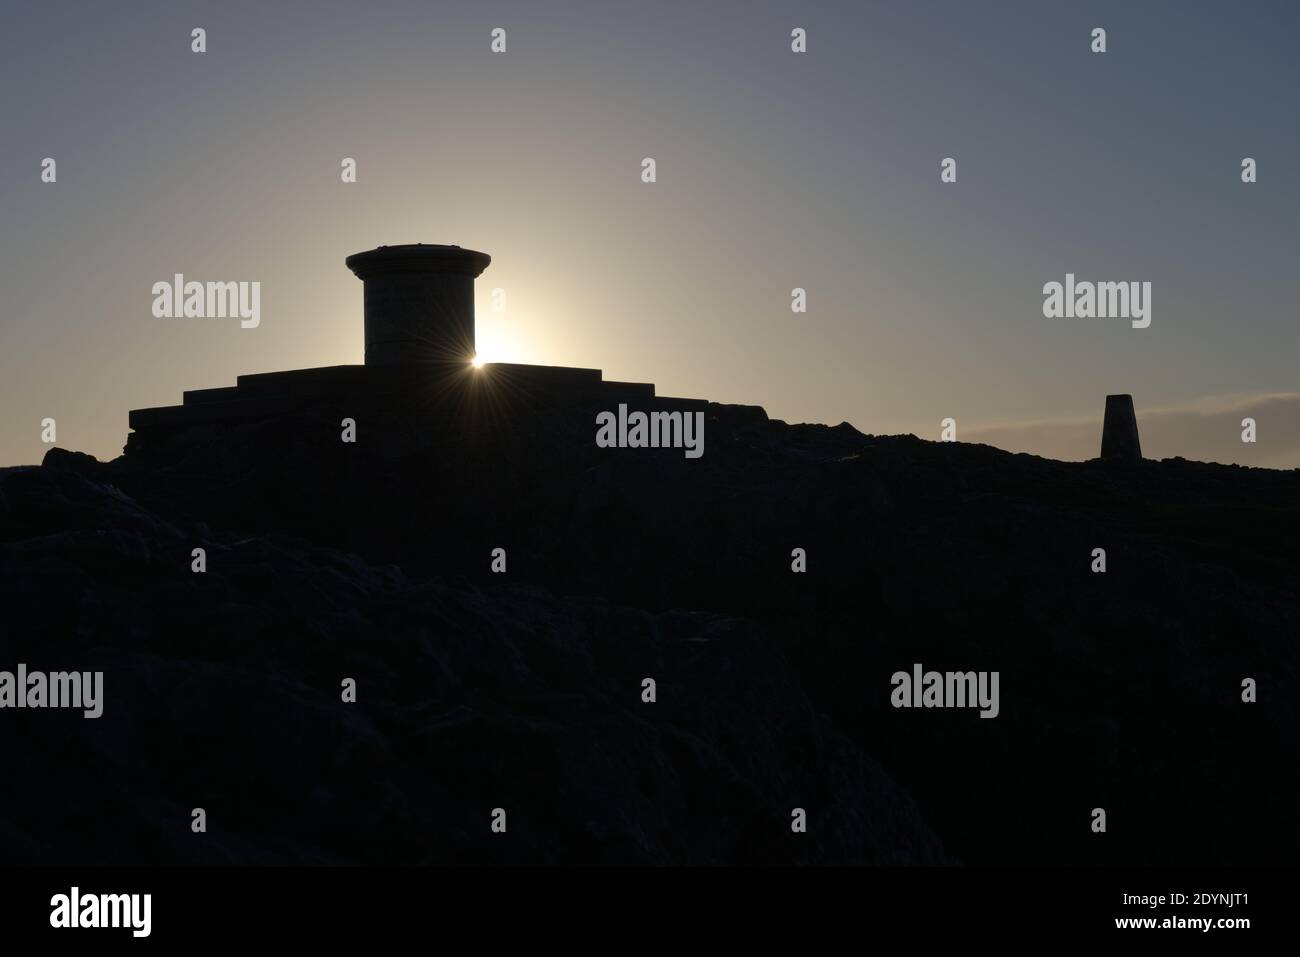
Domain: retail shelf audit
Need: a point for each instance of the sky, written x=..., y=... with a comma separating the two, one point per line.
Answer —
x=775, y=170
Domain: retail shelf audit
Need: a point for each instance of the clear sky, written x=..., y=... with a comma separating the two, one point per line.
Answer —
x=775, y=170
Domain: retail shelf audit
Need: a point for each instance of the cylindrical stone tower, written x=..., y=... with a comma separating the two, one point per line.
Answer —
x=419, y=303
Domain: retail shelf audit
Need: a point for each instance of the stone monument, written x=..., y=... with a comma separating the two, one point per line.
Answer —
x=1119, y=433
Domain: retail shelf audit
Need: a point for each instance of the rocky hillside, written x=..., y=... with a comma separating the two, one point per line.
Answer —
x=523, y=690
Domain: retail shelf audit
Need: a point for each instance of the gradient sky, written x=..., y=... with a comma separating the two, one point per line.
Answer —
x=775, y=170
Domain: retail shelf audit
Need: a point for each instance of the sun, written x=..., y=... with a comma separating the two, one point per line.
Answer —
x=477, y=362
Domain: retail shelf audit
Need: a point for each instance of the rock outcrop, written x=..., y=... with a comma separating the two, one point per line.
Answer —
x=523, y=690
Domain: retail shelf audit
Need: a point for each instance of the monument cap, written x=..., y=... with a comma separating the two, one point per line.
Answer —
x=419, y=303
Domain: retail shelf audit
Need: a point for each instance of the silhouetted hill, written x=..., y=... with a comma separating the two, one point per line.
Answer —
x=523, y=690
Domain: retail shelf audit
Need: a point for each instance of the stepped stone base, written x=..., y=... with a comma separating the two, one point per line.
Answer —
x=460, y=398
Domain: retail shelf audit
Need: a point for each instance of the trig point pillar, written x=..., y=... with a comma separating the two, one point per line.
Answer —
x=1119, y=433
x=419, y=303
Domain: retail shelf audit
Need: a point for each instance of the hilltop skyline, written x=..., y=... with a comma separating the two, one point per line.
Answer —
x=775, y=171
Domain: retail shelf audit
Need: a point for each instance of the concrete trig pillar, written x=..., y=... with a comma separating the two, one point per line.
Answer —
x=1119, y=432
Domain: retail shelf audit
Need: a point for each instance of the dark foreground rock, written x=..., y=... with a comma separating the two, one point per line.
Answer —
x=223, y=691
x=523, y=690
